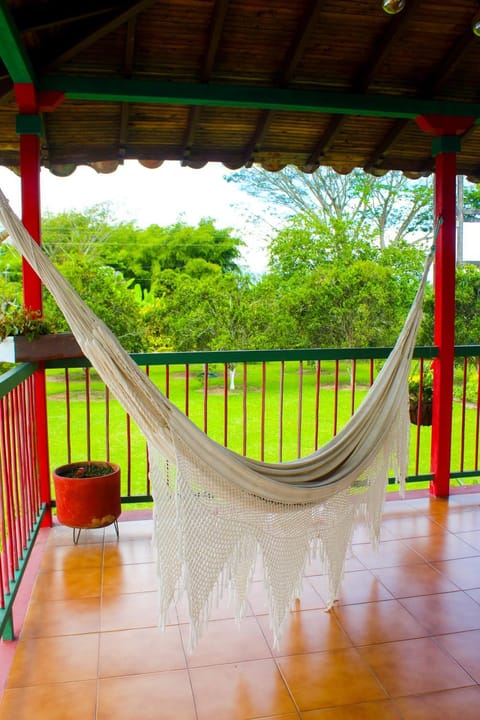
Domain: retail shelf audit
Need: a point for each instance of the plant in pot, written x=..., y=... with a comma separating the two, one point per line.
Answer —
x=87, y=495
x=420, y=396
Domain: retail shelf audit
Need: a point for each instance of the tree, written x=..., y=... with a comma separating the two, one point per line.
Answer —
x=69, y=235
x=176, y=247
x=386, y=208
x=108, y=295
x=306, y=243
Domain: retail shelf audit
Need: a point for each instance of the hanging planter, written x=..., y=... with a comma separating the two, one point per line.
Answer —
x=425, y=415
x=87, y=495
x=420, y=396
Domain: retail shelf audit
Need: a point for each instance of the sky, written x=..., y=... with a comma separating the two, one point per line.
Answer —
x=171, y=193
x=162, y=196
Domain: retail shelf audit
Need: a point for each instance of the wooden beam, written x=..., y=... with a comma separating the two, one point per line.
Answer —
x=12, y=49
x=43, y=17
x=216, y=95
x=431, y=84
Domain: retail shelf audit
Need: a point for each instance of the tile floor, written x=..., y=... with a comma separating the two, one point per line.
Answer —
x=402, y=642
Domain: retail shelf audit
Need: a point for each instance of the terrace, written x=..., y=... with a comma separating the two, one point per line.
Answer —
x=241, y=82
x=85, y=621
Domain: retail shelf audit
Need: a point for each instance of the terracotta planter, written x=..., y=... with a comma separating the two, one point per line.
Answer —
x=87, y=502
x=46, y=347
x=425, y=413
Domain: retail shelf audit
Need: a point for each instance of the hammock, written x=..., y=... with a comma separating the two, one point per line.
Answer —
x=216, y=513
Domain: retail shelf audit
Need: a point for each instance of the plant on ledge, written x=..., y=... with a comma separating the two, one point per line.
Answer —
x=16, y=320
x=420, y=388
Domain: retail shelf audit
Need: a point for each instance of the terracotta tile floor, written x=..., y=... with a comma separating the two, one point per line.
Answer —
x=402, y=642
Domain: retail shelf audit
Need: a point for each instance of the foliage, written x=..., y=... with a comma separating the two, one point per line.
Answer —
x=69, y=235
x=467, y=308
x=85, y=470
x=108, y=295
x=208, y=312
x=179, y=247
x=19, y=320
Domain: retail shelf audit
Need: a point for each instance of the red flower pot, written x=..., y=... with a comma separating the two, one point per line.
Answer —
x=87, y=495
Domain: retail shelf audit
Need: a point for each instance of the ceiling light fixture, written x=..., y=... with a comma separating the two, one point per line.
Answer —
x=476, y=25
x=392, y=7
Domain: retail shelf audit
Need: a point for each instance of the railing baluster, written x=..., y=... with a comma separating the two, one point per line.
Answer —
x=88, y=418
x=263, y=411
x=300, y=409
x=477, y=416
x=335, y=399
x=464, y=402
x=244, y=410
x=225, y=404
x=317, y=401
x=280, y=429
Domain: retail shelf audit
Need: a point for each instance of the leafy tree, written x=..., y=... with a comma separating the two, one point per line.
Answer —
x=384, y=208
x=305, y=243
x=69, y=235
x=209, y=312
x=467, y=308
x=177, y=246
x=108, y=295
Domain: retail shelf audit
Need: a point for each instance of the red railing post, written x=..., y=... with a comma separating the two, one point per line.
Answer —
x=29, y=127
x=444, y=148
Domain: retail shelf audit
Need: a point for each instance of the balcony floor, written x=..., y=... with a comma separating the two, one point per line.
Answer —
x=402, y=642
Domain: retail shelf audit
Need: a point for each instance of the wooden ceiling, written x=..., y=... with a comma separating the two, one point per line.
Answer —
x=303, y=82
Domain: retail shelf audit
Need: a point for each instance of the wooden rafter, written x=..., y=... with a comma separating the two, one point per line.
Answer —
x=128, y=72
x=82, y=42
x=35, y=18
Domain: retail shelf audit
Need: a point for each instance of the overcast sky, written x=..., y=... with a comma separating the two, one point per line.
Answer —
x=172, y=193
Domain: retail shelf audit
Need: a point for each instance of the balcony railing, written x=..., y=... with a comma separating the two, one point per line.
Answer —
x=270, y=405
x=21, y=510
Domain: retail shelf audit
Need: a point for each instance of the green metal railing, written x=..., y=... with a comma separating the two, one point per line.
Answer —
x=21, y=511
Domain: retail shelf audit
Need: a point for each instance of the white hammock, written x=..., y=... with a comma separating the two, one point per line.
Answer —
x=216, y=512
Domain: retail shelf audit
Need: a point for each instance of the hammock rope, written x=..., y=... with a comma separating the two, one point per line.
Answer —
x=218, y=514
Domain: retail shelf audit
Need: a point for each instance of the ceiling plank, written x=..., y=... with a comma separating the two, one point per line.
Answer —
x=35, y=18
x=216, y=95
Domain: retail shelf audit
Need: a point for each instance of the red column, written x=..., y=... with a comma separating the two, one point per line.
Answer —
x=444, y=147
x=444, y=328
x=32, y=286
